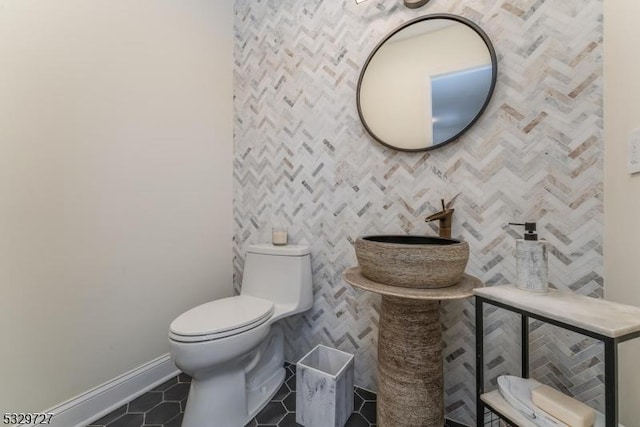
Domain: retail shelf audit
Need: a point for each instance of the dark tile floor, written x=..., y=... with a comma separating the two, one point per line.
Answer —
x=161, y=407
x=164, y=407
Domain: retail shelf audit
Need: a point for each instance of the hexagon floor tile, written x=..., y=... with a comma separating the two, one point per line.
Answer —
x=164, y=407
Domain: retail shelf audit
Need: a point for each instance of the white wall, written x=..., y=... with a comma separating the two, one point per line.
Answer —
x=622, y=190
x=115, y=185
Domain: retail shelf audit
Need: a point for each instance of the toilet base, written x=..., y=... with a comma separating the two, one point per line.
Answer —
x=232, y=395
x=258, y=399
x=210, y=405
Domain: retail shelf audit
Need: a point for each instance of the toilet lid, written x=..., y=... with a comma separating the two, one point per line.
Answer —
x=221, y=318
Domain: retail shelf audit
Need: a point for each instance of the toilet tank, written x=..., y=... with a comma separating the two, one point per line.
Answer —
x=281, y=274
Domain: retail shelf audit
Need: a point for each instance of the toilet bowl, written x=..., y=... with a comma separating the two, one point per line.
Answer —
x=231, y=347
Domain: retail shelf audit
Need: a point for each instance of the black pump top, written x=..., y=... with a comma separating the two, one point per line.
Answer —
x=529, y=230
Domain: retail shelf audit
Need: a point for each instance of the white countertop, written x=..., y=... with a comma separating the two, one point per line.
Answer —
x=597, y=315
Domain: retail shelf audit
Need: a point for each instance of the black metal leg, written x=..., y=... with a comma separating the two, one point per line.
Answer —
x=525, y=344
x=611, y=382
x=479, y=362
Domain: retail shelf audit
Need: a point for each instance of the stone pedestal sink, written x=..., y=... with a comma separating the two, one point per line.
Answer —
x=424, y=262
x=410, y=378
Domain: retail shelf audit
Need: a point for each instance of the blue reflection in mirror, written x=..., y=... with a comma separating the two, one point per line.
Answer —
x=456, y=99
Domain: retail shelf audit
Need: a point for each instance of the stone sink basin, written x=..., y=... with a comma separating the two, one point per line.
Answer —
x=412, y=261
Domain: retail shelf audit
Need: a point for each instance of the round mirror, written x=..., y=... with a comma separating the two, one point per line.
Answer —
x=426, y=82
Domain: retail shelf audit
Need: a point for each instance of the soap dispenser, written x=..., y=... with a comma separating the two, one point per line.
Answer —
x=532, y=271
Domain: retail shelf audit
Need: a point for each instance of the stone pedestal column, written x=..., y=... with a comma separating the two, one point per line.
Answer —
x=410, y=384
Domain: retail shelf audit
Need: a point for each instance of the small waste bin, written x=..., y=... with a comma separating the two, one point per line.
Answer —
x=324, y=388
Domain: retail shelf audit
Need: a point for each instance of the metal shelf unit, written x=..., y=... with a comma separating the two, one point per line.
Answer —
x=608, y=322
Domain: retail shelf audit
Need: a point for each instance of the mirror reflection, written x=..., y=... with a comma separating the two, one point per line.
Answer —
x=426, y=83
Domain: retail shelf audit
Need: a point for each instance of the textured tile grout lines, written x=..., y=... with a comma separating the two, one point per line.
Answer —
x=164, y=407
x=301, y=156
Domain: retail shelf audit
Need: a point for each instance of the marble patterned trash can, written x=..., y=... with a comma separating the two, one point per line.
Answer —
x=324, y=383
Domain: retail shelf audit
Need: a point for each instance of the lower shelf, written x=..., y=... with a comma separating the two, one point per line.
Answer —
x=496, y=403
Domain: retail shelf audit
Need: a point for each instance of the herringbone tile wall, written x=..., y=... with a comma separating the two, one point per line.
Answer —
x=303, y=159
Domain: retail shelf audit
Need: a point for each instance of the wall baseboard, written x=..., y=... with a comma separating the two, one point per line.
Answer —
x=99, y=401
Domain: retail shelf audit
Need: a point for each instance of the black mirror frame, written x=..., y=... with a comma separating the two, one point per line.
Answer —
x=494, y=76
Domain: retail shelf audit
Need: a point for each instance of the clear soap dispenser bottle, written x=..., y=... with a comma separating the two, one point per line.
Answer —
x=532, y=271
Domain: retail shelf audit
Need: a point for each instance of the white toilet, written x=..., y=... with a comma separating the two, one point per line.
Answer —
x=230, y=347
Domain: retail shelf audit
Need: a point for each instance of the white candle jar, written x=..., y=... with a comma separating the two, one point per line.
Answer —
x=279, y=236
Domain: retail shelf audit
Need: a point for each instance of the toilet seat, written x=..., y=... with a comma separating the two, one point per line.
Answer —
x=221, y=318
